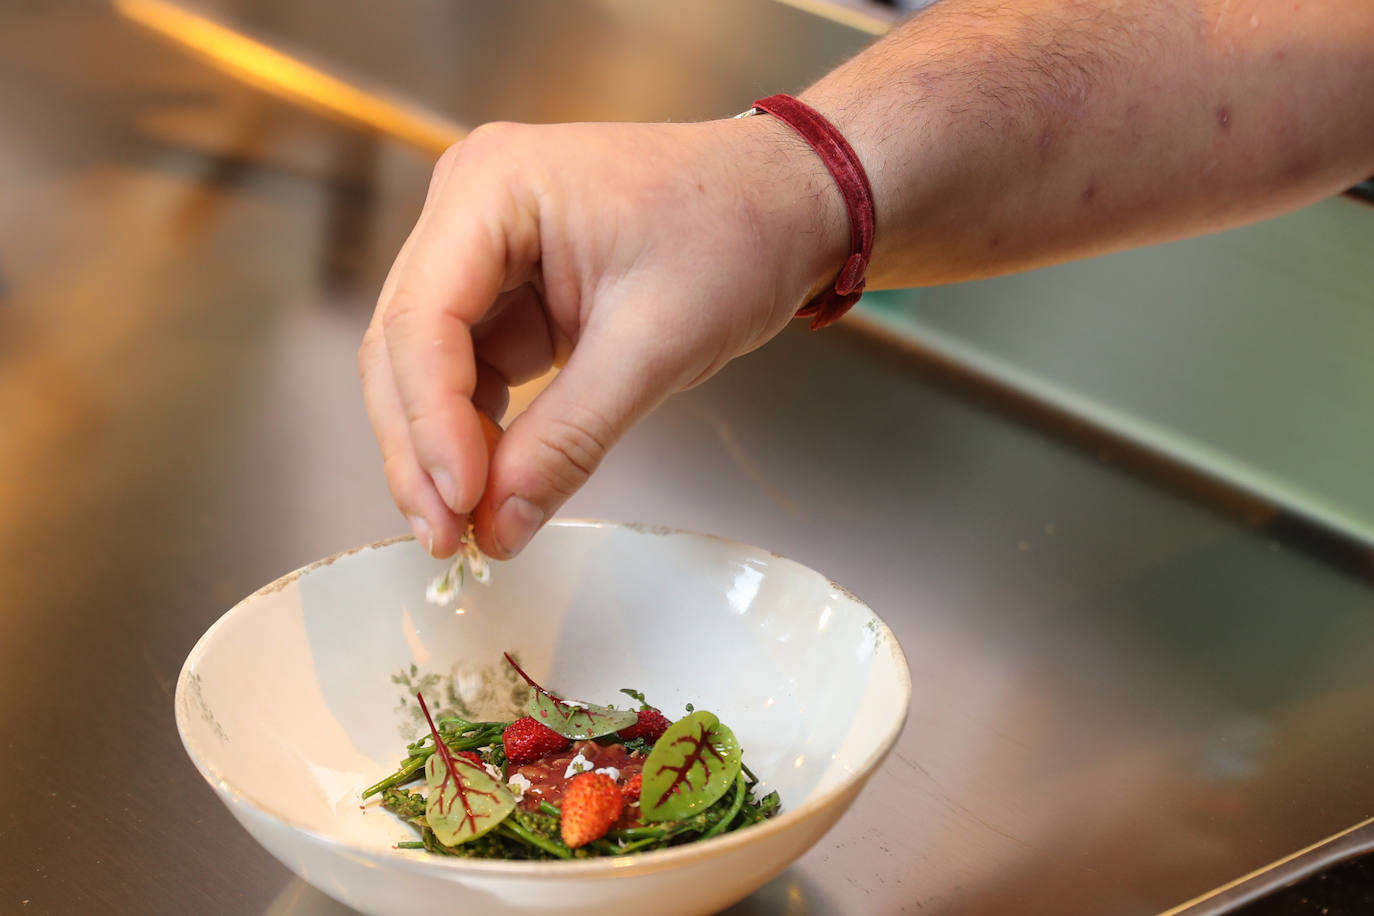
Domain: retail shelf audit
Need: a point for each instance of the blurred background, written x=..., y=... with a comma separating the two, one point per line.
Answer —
x=1117, y=511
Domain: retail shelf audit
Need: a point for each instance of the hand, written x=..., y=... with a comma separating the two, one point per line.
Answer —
x=639, y=257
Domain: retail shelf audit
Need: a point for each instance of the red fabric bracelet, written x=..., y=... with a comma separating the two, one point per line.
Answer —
x=844, y=165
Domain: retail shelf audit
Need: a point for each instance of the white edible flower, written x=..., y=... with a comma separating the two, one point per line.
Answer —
x=519, y=784
x=468, y=560
x=477, y=563
x=442, y=590
x=609, y=771
x=578, y=764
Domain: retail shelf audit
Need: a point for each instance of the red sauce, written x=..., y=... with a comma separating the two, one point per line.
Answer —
x=547, y=782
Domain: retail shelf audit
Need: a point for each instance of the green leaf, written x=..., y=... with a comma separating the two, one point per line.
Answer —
x=577, y=720
x=643, y=703
x=464, y=805
x=572, y=720
x=691, y=767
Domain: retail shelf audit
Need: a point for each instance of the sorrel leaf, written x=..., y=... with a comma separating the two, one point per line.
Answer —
x=464, y=801
x=691, y=766
x=463, y=809
x=578, y=721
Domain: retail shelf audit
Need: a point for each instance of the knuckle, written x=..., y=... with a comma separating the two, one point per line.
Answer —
x=487, y=146
x=401, y=479
x=400, y=312
x=482, y=147
x=447, y=160
x=425, y=417
x=416, y=305
x=576, y=443
x=492, y=132
x=432, y=426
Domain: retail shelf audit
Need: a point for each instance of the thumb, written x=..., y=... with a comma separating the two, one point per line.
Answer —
x=550, y=450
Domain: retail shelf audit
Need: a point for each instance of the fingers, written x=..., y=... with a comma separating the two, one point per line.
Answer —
x=464, y=315
x=551, y=449
x=426, y=331
x=421, y=376
x=435, y=526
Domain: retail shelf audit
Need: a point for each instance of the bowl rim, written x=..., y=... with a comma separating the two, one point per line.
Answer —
x=635, y=863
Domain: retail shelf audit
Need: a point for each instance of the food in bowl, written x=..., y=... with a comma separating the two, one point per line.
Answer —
x=305, y=691
x=571, y=779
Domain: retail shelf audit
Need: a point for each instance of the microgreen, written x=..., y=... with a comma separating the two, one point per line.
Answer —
x=691, y=766
x=575, y=720
x=464, y=802
x=638, y=695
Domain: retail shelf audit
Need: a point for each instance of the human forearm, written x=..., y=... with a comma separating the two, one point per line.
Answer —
x=997, y=135
x=1001, y=136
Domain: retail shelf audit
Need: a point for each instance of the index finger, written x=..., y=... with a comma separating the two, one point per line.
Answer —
x=460, y=258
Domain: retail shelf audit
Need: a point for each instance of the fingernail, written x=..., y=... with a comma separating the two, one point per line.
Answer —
x=448, y=490
x=516, y=522
x=423, y=534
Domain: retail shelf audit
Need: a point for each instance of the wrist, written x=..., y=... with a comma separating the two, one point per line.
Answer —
x=795, y=203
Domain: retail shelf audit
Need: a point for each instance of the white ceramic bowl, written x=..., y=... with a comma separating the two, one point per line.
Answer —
x=301, y=695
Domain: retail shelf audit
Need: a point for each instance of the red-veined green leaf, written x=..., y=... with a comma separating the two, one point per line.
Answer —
x=464, y=801
x=578, y=721
x=463, y=808
x=689, y=769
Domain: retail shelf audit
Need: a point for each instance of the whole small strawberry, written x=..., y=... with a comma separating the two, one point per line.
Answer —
x=632, y=787
x=591, y=804
x=527, y=740
x=651, y=726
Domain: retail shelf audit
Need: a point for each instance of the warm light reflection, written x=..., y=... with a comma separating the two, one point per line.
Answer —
x=845, y=15
x=283, y=75
x=801, y=759
x=419, y=653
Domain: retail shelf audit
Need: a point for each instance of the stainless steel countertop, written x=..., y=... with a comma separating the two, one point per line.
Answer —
x=1121, y=696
